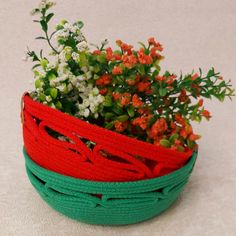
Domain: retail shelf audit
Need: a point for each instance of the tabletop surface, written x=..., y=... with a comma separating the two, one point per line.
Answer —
x=195, y=33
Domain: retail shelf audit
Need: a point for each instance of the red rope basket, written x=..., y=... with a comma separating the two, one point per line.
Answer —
x=76, y=159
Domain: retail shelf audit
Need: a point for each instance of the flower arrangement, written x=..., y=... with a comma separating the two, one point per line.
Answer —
x=108, y=137
x=121, y=89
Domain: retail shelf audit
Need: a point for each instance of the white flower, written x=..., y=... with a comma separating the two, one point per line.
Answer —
x=61, y=87
x=95, y=91
x=82, y=46
x=92, y=107
x=48, y=98
x=80, y=38
x=84, y=69
x=81, y=77
x=86, y=112
x=69, y=87
x=105, y=42
x=75, y=56
x=45, y=3
x=50, y=67
x=89, y=75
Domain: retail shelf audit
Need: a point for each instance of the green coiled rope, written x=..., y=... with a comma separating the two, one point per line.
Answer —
x=108, y=203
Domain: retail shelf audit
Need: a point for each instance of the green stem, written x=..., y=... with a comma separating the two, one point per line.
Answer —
x=48, y=40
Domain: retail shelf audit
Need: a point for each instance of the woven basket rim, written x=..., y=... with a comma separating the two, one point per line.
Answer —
x=182, y=155
x=189, y=165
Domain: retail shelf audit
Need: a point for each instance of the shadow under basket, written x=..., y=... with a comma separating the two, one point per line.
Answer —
x=108, y=203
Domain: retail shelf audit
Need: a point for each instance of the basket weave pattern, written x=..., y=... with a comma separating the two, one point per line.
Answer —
x=75, y=159
x=111, y=203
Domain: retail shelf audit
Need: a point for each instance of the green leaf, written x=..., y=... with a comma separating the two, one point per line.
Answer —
x=41, y=53
x=53, y=92
x=131, y=111
x=51, y=76
x=42, y=97
x=41, y=37
x=180, y=148
x=117, y=109
x=58, y=105
x=109, y=116
x=44, y=63
x=165, y=143
x=49, y=17
x=109, y=125
x=173, y=137
x=44, y=25
x=37, y=83
x=167, y=74
x=162, y=91
x=101, y=58
x=211, y=72
x=122, y=118
x=80, y=24
x=190, y=144
x=108, y=101
x=141, y=70
x=142, y=44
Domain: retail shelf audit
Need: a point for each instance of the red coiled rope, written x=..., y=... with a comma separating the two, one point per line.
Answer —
x=77, y=160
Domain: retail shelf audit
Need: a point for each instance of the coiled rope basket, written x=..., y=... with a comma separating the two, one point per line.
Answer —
x=117, y=181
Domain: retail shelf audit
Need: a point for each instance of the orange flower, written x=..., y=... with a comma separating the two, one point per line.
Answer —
x=183, y=133
x=179, y=119
x=136, y=102
x=197, y=88
x=183, y=96
x=157, y=45
x=158, y=128
x=177, y=142
x=220, y=78
x=152, y=41
x=131, y=82
x=194, y=137
x=120, y=126
x=103, y=91
x=125, y=99
x=109, y=54
x=126, y=48
x=97, y=52
x=103, y=80
x=173, y=125
x=117, y=56
x=144, y=110
x=195, y=76
x=119, y=42
x=142, y=121
x=116, y=96
x=200, y=102
x=171, y=79
x=160, y=78
x=117, y=70
x=129, y=61
x=153, y=52
x=206, y=114
x=143, y=86
x=143, y=58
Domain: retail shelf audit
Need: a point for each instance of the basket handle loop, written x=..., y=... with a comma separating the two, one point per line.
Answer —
x=22, y=107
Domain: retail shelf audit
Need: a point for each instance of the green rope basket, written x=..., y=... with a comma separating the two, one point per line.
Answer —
x=108, y=203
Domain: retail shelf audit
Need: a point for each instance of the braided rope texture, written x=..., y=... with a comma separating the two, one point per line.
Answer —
x=108, y=203
x=131, y=159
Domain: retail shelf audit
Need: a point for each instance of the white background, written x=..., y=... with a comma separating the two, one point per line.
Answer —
x=195, y=33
